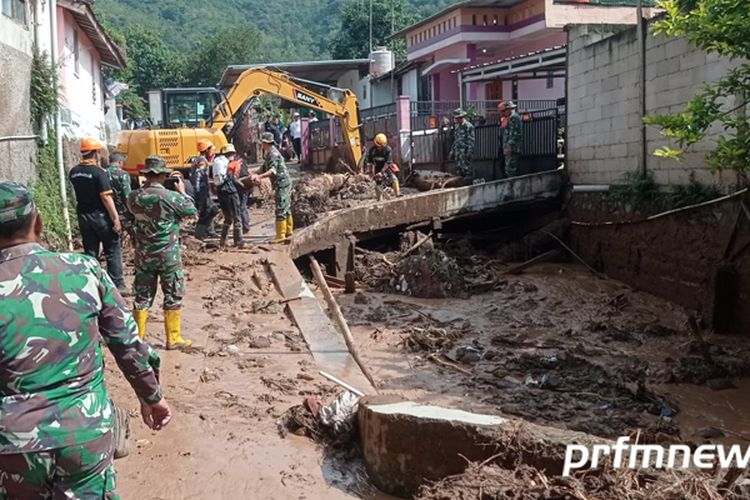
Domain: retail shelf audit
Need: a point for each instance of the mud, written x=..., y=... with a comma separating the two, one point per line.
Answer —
x=223, y=441
x=313, y=196
x=555, y=345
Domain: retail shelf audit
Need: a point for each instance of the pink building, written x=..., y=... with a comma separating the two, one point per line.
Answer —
x=490, y=50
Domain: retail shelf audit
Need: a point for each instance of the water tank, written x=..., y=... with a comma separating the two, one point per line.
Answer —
x=381, y=61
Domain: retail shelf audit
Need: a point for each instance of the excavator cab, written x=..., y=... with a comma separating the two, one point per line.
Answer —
x=183, y=107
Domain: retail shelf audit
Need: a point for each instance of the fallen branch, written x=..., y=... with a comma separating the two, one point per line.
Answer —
x=435, y=359
x=577, y=257
x=546, y=256
x=339, y=318
x=415, y=246
x=279, y=302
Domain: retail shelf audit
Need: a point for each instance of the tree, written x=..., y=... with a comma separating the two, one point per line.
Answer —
x=719, y=27
x=151, y=63
x=233, y=45
x=353, y=38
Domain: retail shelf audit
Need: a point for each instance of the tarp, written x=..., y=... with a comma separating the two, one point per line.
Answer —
x=614, y=3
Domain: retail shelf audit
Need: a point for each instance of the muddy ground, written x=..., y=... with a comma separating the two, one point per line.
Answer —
x=554, y=345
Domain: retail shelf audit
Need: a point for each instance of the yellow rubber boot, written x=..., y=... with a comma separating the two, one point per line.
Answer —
x=172, y=326
x=289, y=225
x=280, y=230
x=140, y=316
x=396, y=188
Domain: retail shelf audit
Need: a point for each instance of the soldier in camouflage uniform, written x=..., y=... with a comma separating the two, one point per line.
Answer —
x=157, y=213
x=463, y=143
x=512, y=139
x=56, y=419
x=275, y=168
x=119, y=180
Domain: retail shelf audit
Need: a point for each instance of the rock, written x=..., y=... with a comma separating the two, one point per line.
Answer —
x=260, y=343
x=711, y=433
x=720, y=384
x=468, y=354
x=232, y=349
x=278, y=336
x=361, y=298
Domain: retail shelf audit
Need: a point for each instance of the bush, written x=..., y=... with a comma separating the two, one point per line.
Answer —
x=48, y=200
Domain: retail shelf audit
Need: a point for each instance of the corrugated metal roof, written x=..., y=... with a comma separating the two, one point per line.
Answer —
x=83, y=13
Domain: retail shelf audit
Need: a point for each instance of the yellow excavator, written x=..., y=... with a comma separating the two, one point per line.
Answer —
x=177, y=145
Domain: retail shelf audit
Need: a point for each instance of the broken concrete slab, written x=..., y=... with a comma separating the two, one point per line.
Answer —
x=324, y=341
x=335, y=226
x=406, y=443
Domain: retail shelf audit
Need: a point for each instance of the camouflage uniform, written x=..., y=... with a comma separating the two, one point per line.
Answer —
x=282, y=183
x=157, y=213
x=119, y=180
x=55, y=415
x=512, y=138
x=463, y=146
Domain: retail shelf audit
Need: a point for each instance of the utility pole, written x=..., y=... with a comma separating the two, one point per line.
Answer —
x=642, y=83
x=370, y=25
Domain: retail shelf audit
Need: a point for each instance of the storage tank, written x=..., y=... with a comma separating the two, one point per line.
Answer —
x=381, y=61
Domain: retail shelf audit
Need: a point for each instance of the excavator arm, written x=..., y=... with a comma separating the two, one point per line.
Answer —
x=257, y=81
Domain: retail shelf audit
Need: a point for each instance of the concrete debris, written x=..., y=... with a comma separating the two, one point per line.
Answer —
x=405, y=443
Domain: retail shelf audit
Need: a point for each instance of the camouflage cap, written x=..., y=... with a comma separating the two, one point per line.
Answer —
x=16, y=201
x=156, y=165
x=458, y=112
x=267, y=137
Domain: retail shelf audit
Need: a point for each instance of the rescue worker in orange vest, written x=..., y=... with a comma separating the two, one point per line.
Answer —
x=380, y=163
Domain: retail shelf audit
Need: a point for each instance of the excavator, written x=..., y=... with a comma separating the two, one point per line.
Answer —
x=177, y=145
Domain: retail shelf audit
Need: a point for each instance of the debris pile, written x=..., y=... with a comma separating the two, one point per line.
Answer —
x=325, y=192
x=335, y=422
x=524, y=482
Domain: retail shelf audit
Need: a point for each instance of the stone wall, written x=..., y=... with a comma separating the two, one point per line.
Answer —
x=690, y=256
x=604, y=137
x=18, y=156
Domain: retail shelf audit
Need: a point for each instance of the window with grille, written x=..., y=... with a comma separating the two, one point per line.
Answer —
x=16, y=10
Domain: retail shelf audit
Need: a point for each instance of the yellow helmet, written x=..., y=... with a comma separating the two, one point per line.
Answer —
x=381, y=140
x=229, y=148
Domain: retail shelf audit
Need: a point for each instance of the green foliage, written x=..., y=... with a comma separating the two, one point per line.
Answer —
x=638, y=189
x=43, y=91
x=135, y=105
x=693, y=193
x=719, y=27
x=353, y=38
x=47, y=197
x=231, y=45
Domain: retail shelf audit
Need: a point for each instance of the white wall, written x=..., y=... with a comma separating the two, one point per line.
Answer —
x=410, y=84
x=604, y=134
x=81, y=92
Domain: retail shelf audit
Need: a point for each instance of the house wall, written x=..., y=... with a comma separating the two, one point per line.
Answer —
x=81, y=93
x=603, y=105
x=410, y=84
x=559, y=15
x=16, y=49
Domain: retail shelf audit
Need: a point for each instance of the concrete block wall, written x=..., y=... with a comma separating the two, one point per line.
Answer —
x=18, y=157
x=604, y=117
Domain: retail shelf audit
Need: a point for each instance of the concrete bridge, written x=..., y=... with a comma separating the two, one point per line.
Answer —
x=335, y=228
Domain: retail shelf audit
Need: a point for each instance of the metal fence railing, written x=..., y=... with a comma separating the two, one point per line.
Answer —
x=320, y=134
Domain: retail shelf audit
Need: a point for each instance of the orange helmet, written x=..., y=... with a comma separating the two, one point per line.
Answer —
x=91, y=144
x=204, y=144
x=381, y=140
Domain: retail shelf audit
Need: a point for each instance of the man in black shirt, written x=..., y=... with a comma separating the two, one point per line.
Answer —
x=97, y=215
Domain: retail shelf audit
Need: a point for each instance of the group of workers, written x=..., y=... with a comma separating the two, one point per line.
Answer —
x=56, y=419
x=462, y=149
